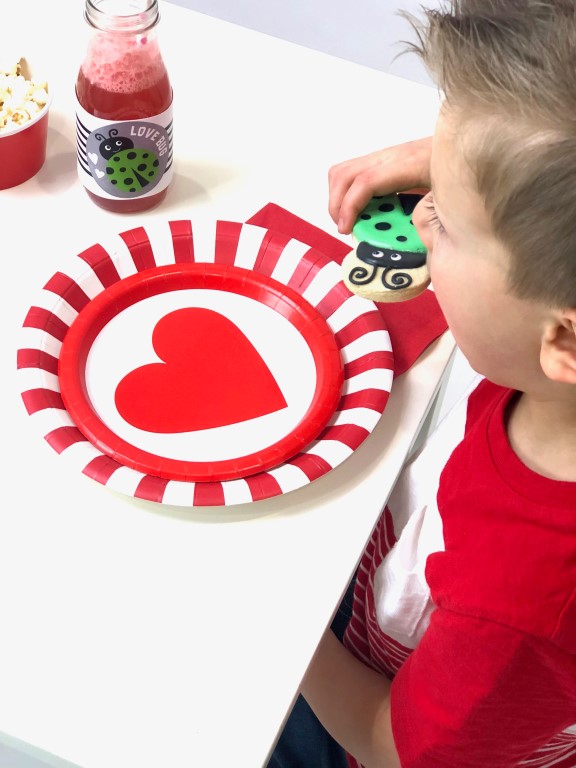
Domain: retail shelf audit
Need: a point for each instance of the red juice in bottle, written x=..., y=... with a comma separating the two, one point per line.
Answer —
x=124, y=108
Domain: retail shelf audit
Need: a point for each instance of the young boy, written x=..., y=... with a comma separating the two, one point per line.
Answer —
x=461, y=649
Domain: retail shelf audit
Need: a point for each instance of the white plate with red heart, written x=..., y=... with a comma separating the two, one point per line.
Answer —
x=203, y=364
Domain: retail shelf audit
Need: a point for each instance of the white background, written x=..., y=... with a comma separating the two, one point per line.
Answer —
x=368, y=32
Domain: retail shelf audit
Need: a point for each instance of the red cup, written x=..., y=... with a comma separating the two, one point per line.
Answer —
x=23, y=149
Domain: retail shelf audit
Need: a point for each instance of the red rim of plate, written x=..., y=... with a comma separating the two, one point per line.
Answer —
x=104, y=307
x=358, y=328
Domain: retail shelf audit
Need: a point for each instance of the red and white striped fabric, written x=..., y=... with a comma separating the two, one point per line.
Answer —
x=359, y=330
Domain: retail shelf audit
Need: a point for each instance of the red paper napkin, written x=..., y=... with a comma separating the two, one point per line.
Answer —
x=412, y=324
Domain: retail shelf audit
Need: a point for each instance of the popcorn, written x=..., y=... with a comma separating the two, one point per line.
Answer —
x=21, y=97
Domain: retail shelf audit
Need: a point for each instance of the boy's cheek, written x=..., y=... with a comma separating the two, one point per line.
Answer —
x=443, y=281
x=432, y=263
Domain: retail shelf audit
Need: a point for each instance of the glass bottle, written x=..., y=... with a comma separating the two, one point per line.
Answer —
x=124, y=108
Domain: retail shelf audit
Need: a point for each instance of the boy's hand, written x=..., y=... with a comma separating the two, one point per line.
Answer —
x=402, y=168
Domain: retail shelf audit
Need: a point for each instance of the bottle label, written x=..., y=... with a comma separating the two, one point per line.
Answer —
x=126, y=159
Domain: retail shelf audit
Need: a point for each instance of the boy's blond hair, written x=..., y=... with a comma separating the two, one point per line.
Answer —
x=508, y=69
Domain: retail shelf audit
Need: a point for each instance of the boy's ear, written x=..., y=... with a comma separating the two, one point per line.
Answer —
x=558, y=349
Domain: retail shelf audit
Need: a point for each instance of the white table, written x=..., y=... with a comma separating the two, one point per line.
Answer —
x=135, y=635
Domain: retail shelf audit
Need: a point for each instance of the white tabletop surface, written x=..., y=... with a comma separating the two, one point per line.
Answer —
x=135, y=635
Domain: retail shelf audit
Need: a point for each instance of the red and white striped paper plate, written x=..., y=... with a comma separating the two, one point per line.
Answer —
x=70, y=332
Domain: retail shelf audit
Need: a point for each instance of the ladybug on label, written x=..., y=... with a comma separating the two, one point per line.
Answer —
x=128, y=169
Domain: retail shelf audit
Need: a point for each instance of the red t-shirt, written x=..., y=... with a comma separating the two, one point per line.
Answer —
x=466, y=597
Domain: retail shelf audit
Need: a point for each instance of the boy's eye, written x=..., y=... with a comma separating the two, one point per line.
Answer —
x=433, y=219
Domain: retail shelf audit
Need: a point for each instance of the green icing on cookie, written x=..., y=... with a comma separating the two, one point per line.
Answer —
x=383, y=223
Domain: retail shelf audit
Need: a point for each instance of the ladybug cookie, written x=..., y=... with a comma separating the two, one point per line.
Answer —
x=389, y=259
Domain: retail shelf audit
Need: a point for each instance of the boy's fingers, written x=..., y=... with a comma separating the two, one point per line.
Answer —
x=395, y=169
x=381, y=180
x=355, y=199
x=340, y=177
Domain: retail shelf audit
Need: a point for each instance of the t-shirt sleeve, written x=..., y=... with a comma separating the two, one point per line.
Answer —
x=476, y=693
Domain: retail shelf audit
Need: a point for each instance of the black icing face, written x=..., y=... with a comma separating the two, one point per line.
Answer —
x=389, y=259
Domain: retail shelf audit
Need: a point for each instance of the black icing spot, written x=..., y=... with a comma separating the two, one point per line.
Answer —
x=383, y=225
x=408, y=202
x=401, y=238
x=365, y=216
x=386, y=207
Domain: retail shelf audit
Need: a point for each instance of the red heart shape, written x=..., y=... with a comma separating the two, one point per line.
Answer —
x=211, y=376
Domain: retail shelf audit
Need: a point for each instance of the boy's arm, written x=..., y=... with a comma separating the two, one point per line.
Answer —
x=473, y=693
x=352, y=702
